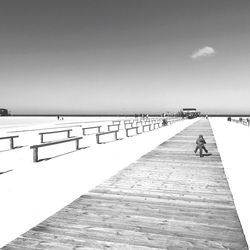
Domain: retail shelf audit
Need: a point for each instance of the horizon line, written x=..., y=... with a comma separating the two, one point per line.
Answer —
x=130, y=114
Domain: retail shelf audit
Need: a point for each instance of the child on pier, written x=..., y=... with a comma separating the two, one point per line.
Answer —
x=200, y=142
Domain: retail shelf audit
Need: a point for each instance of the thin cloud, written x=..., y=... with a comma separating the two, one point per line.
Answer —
x=203, y=52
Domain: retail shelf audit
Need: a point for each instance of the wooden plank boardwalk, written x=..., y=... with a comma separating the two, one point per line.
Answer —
x=168, y=199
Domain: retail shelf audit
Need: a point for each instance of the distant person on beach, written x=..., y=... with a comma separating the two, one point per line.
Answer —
x=164, y=122
x=200, y=142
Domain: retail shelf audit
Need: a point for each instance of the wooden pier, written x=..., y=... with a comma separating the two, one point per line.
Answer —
x=168, y=199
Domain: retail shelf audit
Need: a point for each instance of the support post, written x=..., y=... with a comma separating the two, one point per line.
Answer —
x=35, y=154
x=97, y=139
x=77, y=144
x=126, y=132
x=11, y=142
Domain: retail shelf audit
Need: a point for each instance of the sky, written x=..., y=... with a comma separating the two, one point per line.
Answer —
x=130, y=56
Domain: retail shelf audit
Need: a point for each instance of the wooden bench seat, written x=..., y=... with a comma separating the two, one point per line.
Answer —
x=146, y=126
x=128, y=121
x=113, y=127
x=54, y=132
x=91, y=130
x=246, y=122
x=116, y=122
x=98, y=139
x=11, y=138
x=35, y=147
x=242, y=121
x=156, y=125
x=128, y=125
x=135, y=129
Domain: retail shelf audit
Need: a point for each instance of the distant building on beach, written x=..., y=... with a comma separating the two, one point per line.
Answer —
x=4, y=112
x=190, y=113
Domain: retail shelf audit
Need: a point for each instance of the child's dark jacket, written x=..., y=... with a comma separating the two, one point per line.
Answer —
x=200, y=142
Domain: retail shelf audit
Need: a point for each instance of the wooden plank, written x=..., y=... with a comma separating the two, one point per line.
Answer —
x=132, y=237
x=68, y=243
x=149, y=225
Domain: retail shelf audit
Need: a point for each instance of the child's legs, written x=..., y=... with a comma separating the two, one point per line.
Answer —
x=196, y=149
x=205, y=149
x=200, y=151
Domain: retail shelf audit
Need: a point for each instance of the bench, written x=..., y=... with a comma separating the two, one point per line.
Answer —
x=91, y=130
x=11, y=138
x=128, y=125
x=242, y=121
x=134, y=129
x=113, y=127
x=156, y=125
x=116, y=122
x=104, y=134
x=235, y=120
x=35, y=147
x=246, y=122
x=155, y=121
x=146, y=126
x=128, y=121
x=67, y=131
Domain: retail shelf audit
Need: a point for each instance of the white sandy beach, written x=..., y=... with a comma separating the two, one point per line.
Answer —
x=31, y=192
x=34, y=191
x=233, y=144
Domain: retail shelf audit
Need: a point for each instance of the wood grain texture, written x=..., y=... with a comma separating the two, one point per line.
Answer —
x=170, y=199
